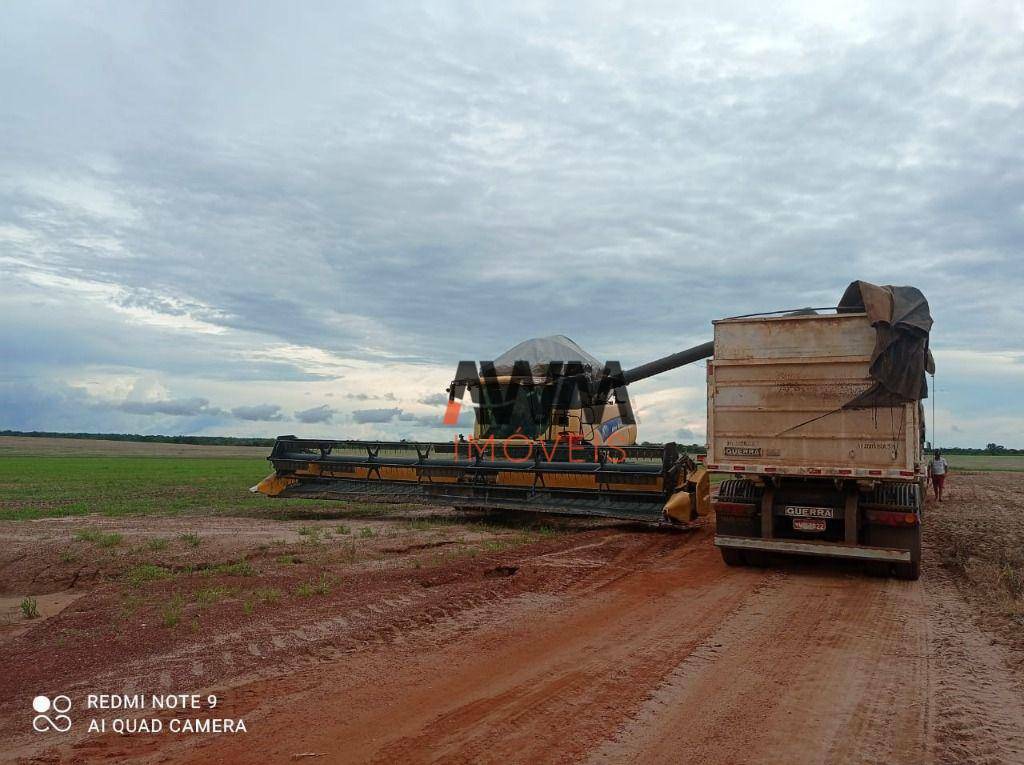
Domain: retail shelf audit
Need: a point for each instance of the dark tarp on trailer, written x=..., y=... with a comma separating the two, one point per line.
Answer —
x=902, y=321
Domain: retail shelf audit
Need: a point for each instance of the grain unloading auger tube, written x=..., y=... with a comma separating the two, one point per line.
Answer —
x=651, y=484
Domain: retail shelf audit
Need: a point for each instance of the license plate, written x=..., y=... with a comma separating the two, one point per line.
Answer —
x=796, y=511
x=803, y=524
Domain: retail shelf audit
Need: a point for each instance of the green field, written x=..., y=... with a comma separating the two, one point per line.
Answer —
x=135, y=479
x=43, y=486
x=1013, y=462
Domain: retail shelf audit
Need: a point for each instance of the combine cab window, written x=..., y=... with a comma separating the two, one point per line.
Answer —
x=525, y=414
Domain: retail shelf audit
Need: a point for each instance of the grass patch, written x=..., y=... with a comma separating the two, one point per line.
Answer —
x=210, y=595
x=287, y=560
x=241, y=568
x=30, y=608
x=366, y=532
x=263, y=596
x=267, y=595
x=192, y=540
x=170, y=612
x=98, y=538
x=322, y=586
x=146, y=572
x=67, y=556
x=157, y=543
x=129, y=606
x=349, y=551
x=341, y=528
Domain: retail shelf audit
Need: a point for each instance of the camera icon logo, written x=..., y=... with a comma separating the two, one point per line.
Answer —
x=59, y=706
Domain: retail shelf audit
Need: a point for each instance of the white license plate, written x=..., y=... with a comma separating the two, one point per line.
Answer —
x=804, y=524
x=797, y=511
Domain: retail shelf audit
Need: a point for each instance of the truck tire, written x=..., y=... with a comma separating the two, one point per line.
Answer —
x=732, y=556
x=910, y=571
x=902, y=539
x=901, y=497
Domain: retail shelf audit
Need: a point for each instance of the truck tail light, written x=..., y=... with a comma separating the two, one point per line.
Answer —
x=891, y=518
x=739, y=509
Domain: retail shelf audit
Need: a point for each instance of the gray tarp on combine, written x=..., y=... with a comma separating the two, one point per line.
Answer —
x=541, y=351
x=902, y=321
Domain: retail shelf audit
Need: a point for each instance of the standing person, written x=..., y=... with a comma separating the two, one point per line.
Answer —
x=937, y=469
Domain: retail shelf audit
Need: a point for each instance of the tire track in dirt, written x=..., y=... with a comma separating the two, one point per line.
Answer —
x=779, y=681
x=978, y=703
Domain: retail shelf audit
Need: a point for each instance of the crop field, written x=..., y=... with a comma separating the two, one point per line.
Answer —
x=1010, y=462
x=55, y=486
x=399, y=630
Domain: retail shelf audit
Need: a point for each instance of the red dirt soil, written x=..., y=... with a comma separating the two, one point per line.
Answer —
x=605, y=645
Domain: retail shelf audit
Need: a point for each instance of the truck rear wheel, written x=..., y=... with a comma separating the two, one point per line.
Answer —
x=733, y=557
x=912, y=570
x=900, y=539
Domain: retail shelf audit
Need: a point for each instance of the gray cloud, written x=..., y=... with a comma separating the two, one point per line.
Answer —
x=258, y=413
x=375, y=415
x=371, y=396
x=322, y=413
x=185, y=407
x=435, y=399
x=599, y=171
x=466, y=420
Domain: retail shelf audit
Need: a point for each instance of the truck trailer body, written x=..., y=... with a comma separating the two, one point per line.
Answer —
x=810, y=473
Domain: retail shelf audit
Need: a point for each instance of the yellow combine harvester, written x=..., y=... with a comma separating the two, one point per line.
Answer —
x=554, y=433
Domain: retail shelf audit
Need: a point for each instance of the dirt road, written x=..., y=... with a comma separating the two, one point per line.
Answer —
x=662, y=654
x=611, y=645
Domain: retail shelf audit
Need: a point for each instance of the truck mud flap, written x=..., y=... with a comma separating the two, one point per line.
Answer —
x=822, y=549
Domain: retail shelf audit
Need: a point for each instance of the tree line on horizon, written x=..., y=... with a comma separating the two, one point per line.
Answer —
x=992, y=449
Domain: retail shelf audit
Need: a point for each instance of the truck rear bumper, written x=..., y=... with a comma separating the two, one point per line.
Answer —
x=824, y=549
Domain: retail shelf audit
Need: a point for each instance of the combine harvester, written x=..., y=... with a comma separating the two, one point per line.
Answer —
x=549, y=437
x=815, y=414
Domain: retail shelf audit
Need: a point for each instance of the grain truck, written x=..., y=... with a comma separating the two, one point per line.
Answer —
x=816, y=419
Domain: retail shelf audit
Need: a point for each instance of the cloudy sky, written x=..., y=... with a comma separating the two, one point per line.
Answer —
x=251, y=219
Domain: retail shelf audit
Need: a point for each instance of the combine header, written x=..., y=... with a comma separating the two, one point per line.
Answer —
x=652, y=484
